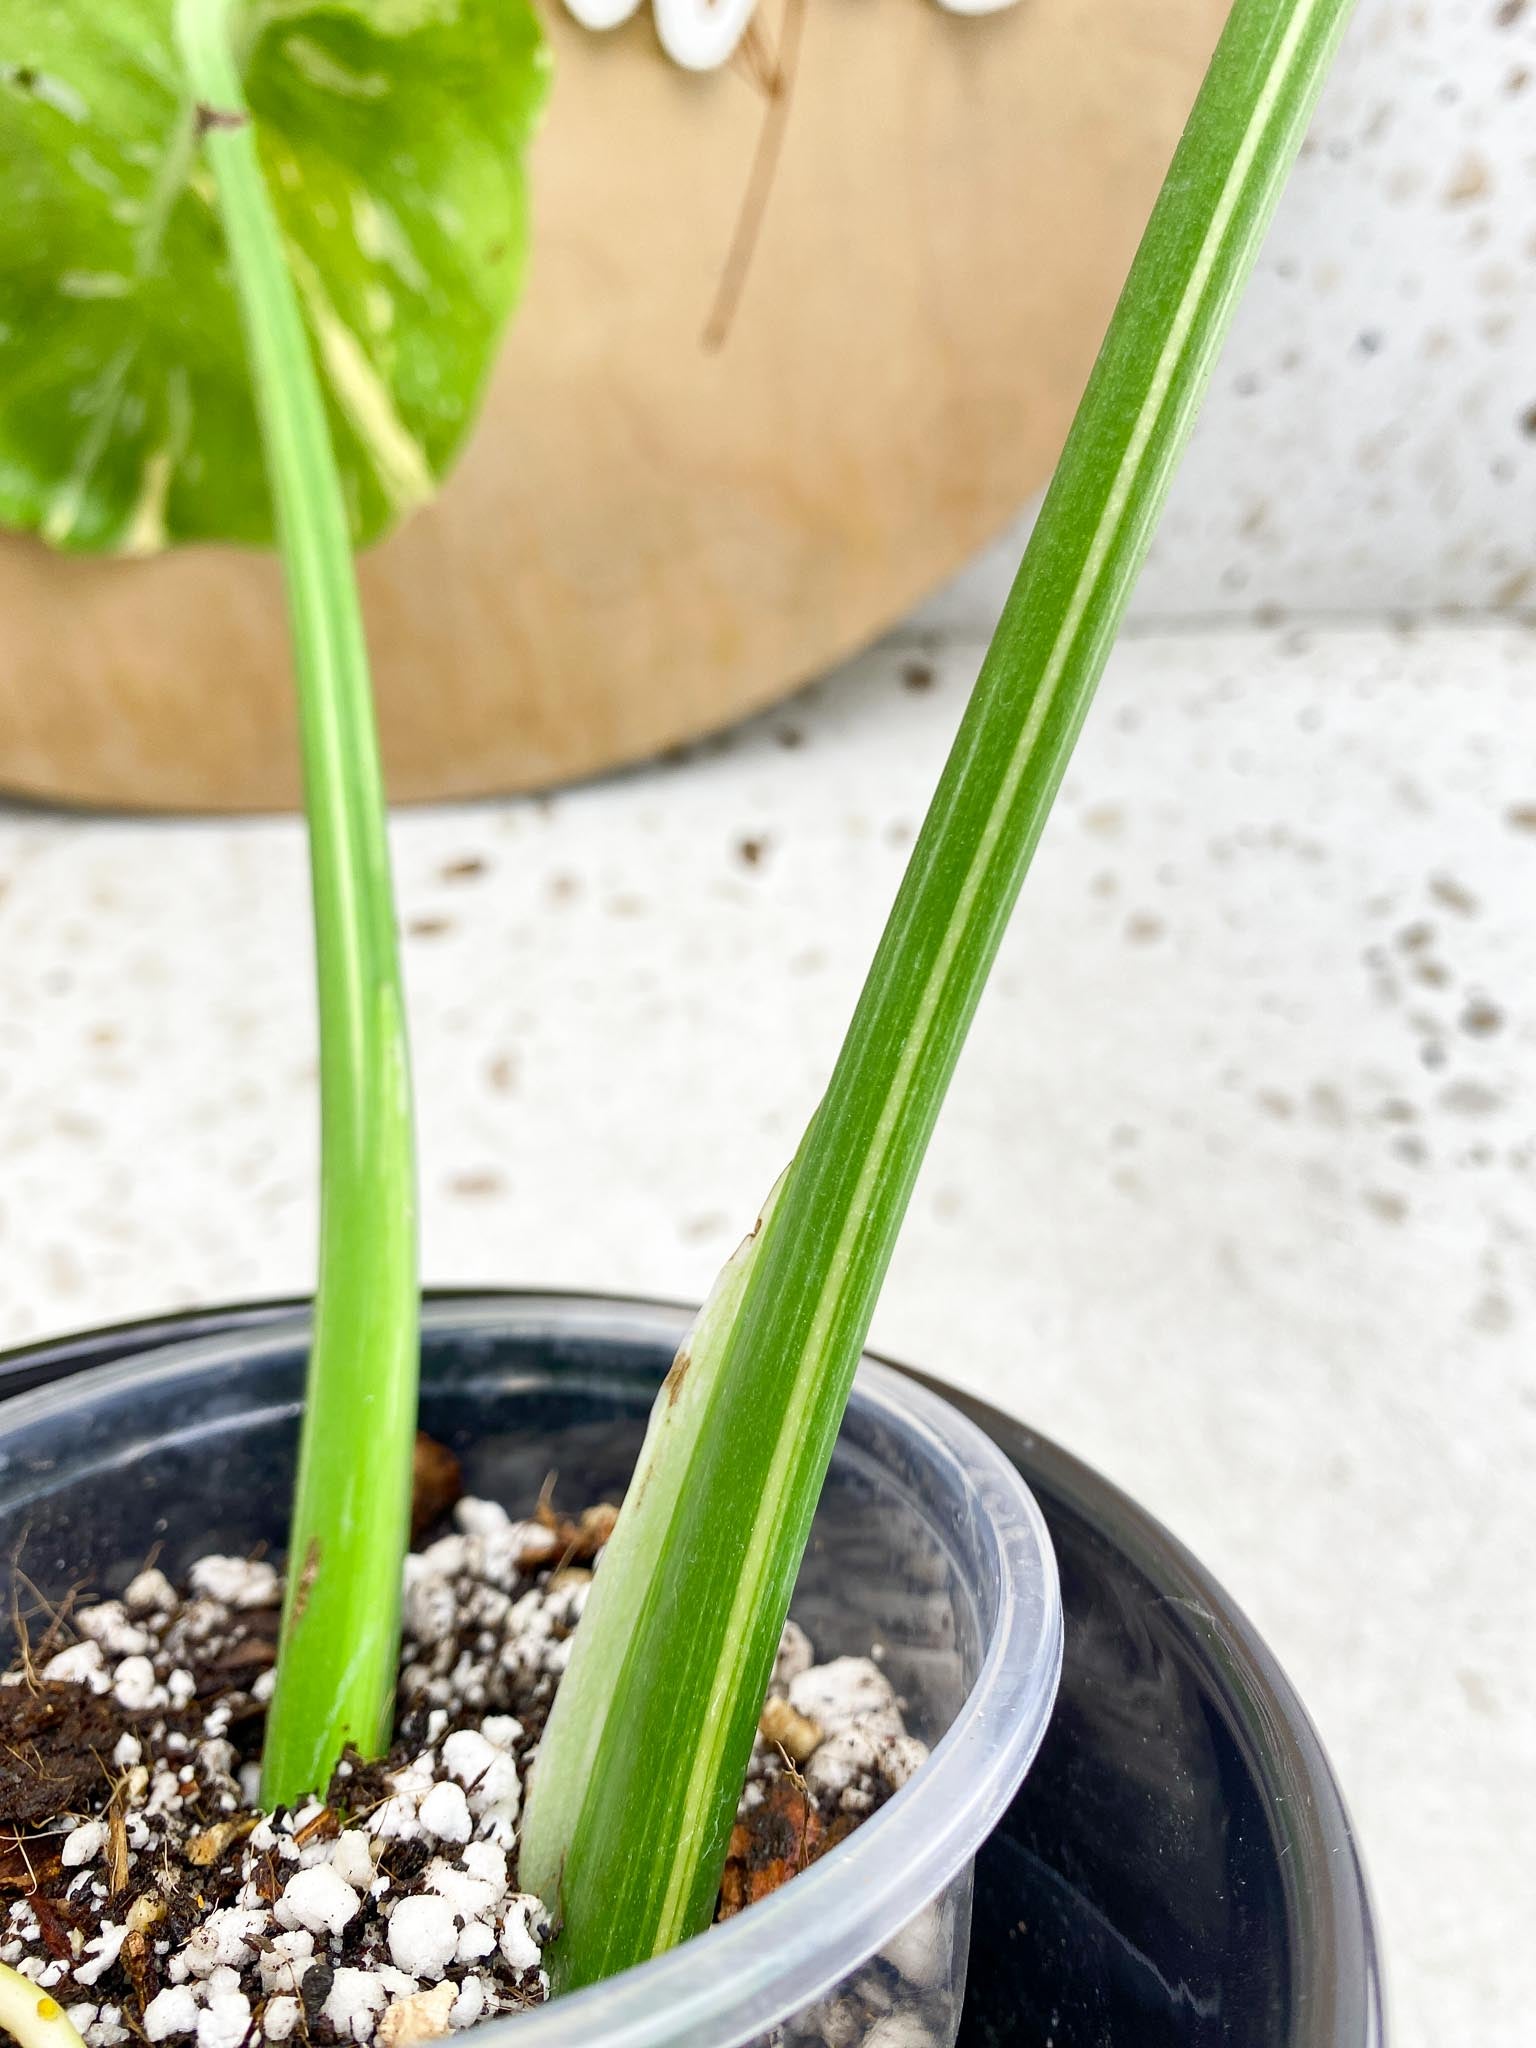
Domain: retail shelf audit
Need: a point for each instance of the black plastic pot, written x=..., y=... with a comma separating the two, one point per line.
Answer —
x=1179, y=1870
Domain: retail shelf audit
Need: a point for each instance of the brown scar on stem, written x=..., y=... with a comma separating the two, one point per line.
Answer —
x=677, y=1372
x=206, y=117
x=306, y=1579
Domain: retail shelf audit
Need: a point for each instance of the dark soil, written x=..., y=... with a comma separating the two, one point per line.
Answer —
x=141, y=1886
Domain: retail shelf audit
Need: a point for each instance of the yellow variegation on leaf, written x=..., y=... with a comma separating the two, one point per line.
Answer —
x=392, y=134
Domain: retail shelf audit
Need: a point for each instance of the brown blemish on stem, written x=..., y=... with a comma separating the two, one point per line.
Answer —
x=677, y=1372
x=207, y=118
x=307, y=1579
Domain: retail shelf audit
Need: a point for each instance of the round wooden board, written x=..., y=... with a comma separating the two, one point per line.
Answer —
x=647, y=538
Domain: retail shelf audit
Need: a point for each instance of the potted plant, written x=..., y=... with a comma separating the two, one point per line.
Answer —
x=646, y=1718
x=1178, y=1865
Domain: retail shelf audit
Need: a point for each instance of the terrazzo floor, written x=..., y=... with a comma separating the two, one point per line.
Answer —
x=1235, y=1193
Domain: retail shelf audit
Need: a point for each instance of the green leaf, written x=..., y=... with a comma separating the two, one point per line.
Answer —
x=392, y=135
x=351, y=1516
x=643, y=1757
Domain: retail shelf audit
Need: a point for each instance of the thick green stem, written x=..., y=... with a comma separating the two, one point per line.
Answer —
x=351, y=1518
x=634, y=1844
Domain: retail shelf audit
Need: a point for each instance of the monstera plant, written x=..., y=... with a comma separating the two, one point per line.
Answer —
x=253, y=262
x=251, y=281
x=390, y=136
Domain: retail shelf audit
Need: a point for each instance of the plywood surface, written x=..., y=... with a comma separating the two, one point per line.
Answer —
x=648, y=538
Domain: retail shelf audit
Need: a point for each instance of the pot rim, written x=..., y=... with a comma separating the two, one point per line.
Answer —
x=728, y=1984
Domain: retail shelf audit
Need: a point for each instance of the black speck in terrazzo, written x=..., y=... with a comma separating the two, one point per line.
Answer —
x=1469, y=181
x=699, y=1229
x=1481, y=1019
x=1493, y=1313
x=1454, y=895
x=1105, y=821
x=501, y=1073
x=1470, y=1098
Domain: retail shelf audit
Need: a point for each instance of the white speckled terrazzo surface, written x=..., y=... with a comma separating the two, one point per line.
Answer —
x=1369, y=444
x=1234, y=1195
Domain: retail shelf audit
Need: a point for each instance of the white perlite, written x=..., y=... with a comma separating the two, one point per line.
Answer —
x=424, y=1936
x=83, y=1844
x=410, y=1914
x=445, y=1813
x=317, y=1899
x=280, y=2017
x=174, y=2011
x=237, y=1582
x=81, y=1664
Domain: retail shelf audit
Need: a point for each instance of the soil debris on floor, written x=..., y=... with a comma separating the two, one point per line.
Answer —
x=144, y=1889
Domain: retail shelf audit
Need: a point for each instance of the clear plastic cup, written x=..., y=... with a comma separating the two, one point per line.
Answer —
x=926, y=1543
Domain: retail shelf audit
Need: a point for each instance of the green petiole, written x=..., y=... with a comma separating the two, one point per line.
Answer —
x=644, y=1754
x=351, y=1515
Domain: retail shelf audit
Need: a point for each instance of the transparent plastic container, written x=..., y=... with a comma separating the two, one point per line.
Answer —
x=926, y=1543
